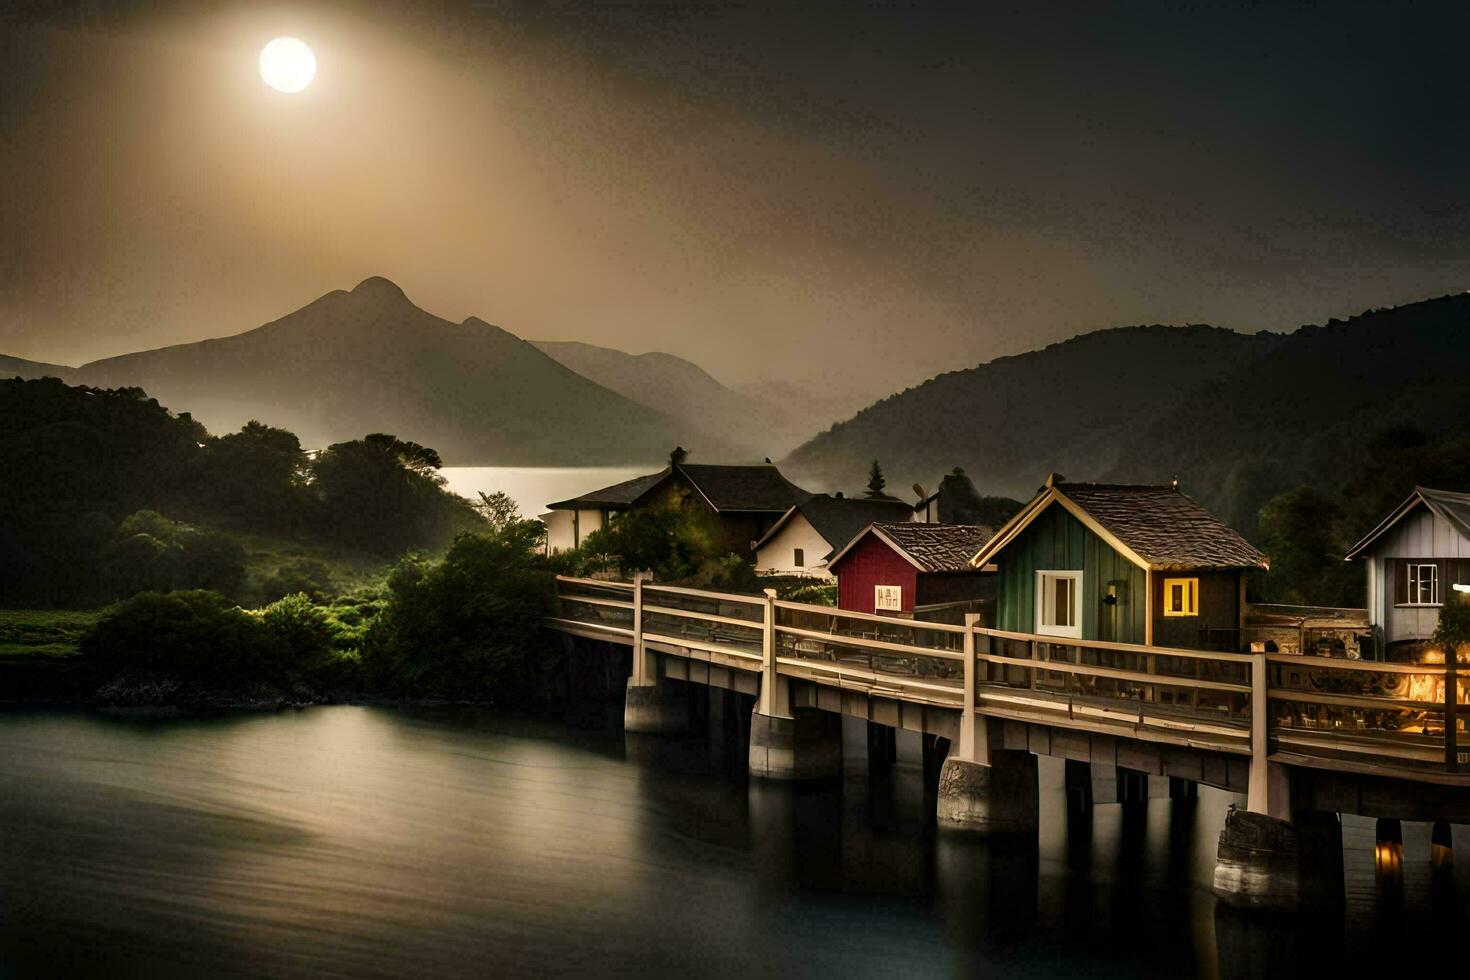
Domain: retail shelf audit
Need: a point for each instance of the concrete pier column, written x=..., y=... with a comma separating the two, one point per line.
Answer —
x=998, y=798
x=1256, y=865
x=658, y=708
x=806, y=745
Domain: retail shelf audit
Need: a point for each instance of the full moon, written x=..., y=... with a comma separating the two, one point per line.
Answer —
x=287, y=65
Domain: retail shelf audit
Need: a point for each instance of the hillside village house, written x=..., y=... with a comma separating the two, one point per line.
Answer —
x=744, y=501
x=807, y=535
x=1130, y=564
x=1417, y=558
x=892, y=569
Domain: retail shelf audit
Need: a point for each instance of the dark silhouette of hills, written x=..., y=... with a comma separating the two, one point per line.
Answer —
x=1236, y=418
x=19, y=367
x=369, y=360
x=1069, y=407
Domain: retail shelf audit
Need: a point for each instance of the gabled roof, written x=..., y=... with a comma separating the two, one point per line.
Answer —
x=617, y=495
x=727, y=488
x=1453, y=507
x=837, y=519
x=1154, y=527
x=928, y=547
x=744, y=488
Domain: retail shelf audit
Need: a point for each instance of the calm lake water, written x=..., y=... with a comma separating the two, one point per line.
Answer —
x=535, y=487
x=375, y=841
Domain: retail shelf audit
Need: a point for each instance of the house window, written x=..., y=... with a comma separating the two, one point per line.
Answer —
x=798, y=558
x=1421, y=584
x=1181, y=597
x=1058, y=603
x=888, y=598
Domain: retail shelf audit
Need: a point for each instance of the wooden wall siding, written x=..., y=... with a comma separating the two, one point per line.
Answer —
x=935, y=587
x=872, y=563
x=1422, y=534
x=1057, y=541
x=1219, y=608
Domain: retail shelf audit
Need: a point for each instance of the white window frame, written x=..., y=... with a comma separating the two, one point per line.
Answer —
x=1414, y=586
x=1044, y=603
x=884, y=594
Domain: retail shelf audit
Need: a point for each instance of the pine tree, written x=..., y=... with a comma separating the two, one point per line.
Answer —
x=876, y=483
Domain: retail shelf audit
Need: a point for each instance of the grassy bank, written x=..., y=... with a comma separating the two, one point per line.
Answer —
x=34, y=633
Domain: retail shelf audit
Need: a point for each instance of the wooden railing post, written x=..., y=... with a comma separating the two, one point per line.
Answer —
x=771, y=701
x=1258, y=789
x=973, y=745
x=641, y=673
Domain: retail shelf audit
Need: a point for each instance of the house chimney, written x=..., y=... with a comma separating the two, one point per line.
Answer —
x=1052, y=479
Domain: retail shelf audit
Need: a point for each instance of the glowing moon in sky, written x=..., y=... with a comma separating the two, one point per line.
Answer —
x=287, y=65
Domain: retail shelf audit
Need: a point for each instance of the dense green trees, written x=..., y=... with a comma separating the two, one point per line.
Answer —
x=90, y=475
x=468, y=626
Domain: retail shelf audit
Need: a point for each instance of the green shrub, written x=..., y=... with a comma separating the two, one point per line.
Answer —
x=308, y=575
x=469, y=626
x=196, y=635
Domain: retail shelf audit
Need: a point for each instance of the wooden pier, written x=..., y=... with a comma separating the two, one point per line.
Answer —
x=1294, y=734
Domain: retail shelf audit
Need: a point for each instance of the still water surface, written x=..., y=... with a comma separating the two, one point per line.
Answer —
x=376, y=841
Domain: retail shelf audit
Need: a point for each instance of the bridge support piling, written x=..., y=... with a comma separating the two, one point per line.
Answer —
x=1256, y=864
x=998, y=798
x=1319, y=850
x=655, y=709
x=805, y=745
x=980, y=790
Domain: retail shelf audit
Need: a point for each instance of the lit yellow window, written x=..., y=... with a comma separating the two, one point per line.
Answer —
x=1181, y=597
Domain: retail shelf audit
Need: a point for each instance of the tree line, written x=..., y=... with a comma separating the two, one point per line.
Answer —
x=104, y=493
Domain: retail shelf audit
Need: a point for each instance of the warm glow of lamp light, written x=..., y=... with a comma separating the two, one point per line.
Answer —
x=287, y=65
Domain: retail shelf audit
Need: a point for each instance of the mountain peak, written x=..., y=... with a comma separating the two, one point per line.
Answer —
x=378, y=287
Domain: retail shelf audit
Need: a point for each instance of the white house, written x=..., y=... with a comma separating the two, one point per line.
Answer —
x=1417, y=558
x=802, y=540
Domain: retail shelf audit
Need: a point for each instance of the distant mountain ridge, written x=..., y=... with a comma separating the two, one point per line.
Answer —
x=369, y=360
x=1235, y=417
x=683, y=389
x=1010, y=421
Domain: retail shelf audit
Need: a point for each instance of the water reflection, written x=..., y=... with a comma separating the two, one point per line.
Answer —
x=451, y=842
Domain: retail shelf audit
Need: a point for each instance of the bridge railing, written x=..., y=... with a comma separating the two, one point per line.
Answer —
x=875, y=650
x=707, y=619
x=1391, y=716
x=1351, y=708
x=596, y=603
x=1020, y=674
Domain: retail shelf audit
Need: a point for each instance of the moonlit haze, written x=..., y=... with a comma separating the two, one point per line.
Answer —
x=773, y=192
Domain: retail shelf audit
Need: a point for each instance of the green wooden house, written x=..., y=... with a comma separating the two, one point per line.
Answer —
x=1122, y=563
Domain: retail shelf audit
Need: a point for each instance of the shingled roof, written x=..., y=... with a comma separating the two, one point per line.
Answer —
x=1156, y=526
x=1453, y=507
x=617, y=495
x=759, y=488
x=928, y=547
x=839, y=519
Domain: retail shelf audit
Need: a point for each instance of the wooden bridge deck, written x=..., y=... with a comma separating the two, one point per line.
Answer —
x=1349, y=716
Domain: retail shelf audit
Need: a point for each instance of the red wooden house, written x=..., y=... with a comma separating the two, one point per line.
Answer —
x=890, y=569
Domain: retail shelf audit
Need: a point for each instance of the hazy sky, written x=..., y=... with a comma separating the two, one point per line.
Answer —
x=773, y=190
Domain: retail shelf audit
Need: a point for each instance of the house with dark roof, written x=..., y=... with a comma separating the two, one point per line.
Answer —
x=1417, y=558
x=1122, y=563
x=894, y=569
x=743, y=501
x=808, y=534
